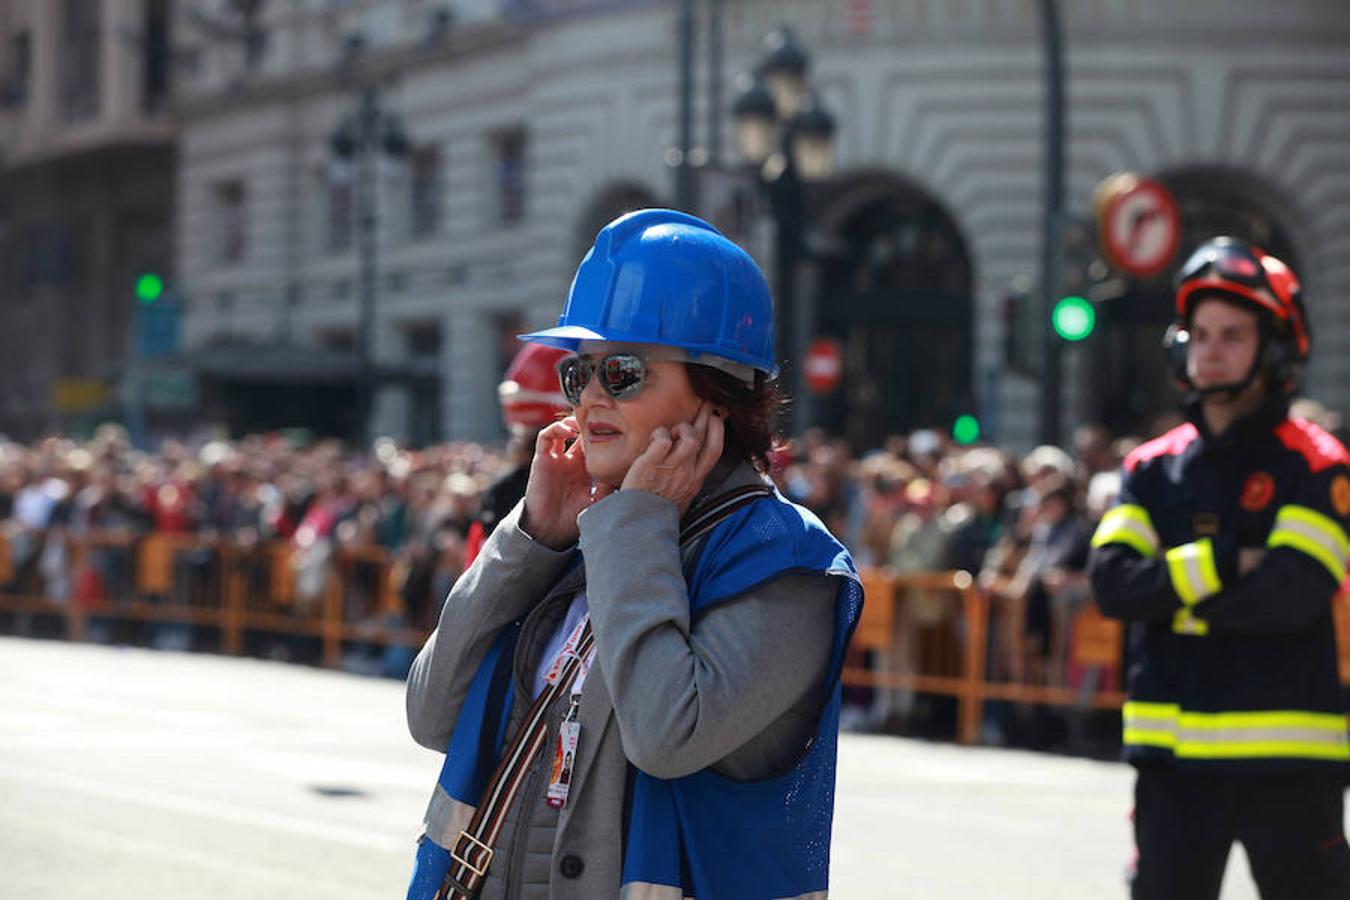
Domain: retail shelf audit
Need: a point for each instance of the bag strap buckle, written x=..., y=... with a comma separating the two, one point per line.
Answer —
x=474, y=844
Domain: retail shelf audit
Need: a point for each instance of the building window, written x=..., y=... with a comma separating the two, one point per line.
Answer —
x=18, y=71
x=81, y=59
x=46, y=256
x=231, y=218
x=338, y=341
x=510, y=159
x=155, y=54
x=425, y=199
x=424, y=341
x=338, y=212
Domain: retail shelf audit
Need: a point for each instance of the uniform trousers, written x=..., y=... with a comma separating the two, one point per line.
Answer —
x=1291, y=827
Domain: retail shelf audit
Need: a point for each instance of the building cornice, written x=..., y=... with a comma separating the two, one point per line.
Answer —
x=74, y=142
x=372, y=67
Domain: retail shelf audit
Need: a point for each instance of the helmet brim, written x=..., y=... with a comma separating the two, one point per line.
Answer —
x=565, y=337
x=570, y=337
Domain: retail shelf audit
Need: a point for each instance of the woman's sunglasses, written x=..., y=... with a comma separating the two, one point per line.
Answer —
x=621, y=375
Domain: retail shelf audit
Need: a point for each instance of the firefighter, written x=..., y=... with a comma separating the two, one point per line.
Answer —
x=1224, y=553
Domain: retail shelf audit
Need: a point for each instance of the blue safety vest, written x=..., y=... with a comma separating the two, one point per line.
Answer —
x=702, y=835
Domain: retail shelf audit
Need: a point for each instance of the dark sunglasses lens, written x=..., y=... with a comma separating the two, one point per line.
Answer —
x=573, y=374
x=621, y=374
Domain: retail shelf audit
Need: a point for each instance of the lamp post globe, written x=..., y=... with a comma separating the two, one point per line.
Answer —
x=785, y=135
x=784, y=69
x=813, y=140
x=756, y=118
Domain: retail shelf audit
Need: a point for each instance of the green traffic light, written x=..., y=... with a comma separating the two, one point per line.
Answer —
x=149, y=288
x=966, y=429
x=1073, y=318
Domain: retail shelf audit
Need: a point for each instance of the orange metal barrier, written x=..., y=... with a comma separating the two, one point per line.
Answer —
x=233, y=588
x=970, y=675
x=945, y=620
x=958, y=665
x=951, y=666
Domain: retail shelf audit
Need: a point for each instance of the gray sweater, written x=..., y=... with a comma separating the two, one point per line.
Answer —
x=739, y=690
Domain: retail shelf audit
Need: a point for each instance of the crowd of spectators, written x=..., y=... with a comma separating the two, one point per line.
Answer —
x=314, y=497
x=1021, y=525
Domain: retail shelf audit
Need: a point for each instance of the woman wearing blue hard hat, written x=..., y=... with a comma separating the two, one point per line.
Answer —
x=637, y=682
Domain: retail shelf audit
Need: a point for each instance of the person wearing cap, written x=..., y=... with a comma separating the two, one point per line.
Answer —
x=530, y=399
x=636, y=683
x=1223, y=553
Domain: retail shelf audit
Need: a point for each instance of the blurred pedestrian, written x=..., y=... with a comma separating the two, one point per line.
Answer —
x=530, y=400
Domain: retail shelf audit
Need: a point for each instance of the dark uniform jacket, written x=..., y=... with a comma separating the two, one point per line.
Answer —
x=1229, y=671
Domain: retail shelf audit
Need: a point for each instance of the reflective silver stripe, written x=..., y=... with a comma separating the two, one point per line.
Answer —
x=1248, y=735
x=446, y=817
x=641, y=890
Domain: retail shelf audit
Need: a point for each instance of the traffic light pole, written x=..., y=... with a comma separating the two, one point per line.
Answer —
x=368, y=118
x=1052, y=219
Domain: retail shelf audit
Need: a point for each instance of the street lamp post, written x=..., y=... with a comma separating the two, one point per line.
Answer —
x=360, y=137
x=785, y=134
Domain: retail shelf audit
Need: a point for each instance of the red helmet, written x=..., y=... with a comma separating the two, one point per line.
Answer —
x=1244, y=273
x=529, y=392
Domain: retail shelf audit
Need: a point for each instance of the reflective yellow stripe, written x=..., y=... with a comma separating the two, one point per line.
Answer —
x=1308, y=531
x=1191, y=567
x=1236, y=735
x=1130, y=525
x=1139, y=710
x=1186, y=622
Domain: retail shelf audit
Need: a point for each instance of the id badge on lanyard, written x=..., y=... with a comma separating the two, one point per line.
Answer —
x=569, y=731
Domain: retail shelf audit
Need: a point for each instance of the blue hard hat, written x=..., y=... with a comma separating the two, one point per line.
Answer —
x=657, y=276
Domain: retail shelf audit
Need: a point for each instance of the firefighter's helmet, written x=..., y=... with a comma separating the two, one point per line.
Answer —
x=529, y=392
x=1243, y=273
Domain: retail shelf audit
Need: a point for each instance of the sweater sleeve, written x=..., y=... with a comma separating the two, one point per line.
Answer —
x=510, y=575
x=692, y=694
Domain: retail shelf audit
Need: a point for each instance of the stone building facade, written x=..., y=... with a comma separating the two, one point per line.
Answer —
x=530, y=123
x=86, y=201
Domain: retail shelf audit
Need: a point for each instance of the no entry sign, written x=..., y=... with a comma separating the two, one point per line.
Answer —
x=824, y=365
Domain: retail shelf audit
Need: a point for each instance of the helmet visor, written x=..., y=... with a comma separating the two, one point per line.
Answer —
x=1230, y=269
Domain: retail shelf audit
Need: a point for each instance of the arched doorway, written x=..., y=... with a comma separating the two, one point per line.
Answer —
x=1131, y=381
x=895, y=290
x=608, y=204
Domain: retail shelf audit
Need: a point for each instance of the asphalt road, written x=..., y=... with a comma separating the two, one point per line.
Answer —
x=139, y=774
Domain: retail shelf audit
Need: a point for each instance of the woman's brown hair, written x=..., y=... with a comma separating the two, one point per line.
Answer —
x=750, y=411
